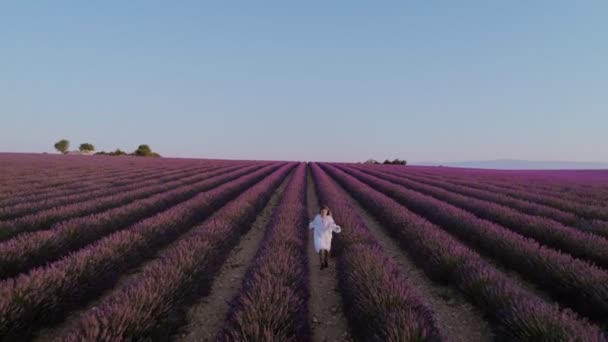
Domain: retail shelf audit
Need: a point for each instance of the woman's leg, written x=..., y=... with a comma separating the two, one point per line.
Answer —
x=321, y=258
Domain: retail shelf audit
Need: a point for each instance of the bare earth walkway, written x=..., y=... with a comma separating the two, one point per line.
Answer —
x=206, y=317
x=327, y=316
x=456, y=318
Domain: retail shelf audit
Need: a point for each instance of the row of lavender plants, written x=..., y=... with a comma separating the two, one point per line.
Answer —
x=379, y=302
x=99, y=180
x=42, y=175
x=67, y=183
x=21, y=178
x=526, y=206
x=576, y=206
x=574, y=282
x=47, y=293
x=120, y=184
x=497, y=179
x=544, y=230
x=586, y=183
x=33, y=249
x=272, y=304
x=42, y=220
x=516, y=313
x=575, y=186
x=591, y=214
x=146, y=306
x=62, y=173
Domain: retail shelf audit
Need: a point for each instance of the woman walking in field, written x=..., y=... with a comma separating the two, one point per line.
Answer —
x=323, y=225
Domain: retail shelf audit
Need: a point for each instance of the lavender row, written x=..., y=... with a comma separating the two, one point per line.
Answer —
x=51, y=173
x=577, y=207
x=66, y=184
x=98, y=181
x=523, y=205
x=39, y=177
x=44, y=219
x=57, y=179
x=33, y=249
x=140, y=309
x=48, y=293
x=120, y=184
x=586, y=223
x=574, y=282
x=379, y=302
x=516, y=313
x=544, y=184
x=531, y=208
x=560, y=180
x=508, y=180
x=544, y=230
x=272, y=304
x=585, y=207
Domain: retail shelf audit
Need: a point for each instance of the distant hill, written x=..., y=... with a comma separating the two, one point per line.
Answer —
x=516, y=164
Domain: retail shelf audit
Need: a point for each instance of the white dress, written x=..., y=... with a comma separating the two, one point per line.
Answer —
x=324, y=227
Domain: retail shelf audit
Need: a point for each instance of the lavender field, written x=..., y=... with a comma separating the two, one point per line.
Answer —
x=101, y=248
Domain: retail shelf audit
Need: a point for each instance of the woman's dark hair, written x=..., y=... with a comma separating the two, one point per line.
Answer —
x=325, y=207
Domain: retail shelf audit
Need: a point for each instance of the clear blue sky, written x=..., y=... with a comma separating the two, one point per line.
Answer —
x=309, y=80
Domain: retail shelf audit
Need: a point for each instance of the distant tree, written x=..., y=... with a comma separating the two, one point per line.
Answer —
x=118, y=152
x=143, y=151
x=395, y=162
x=86, y=147
x=371, y=161
x=62, y=146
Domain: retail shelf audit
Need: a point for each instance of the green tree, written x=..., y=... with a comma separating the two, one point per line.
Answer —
x=118, y=152
x=62, y=146
x=143, y=151
x=86, y=147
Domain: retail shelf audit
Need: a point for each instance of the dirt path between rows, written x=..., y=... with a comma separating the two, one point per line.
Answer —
x=206, y=317
x=325, y=306
x=456, y=318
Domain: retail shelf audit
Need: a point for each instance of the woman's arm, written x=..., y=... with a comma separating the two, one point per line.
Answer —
x=336, y=229
x=333, y=226
x=311, y=225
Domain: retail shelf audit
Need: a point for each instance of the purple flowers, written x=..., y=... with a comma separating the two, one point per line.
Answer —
x=273, y=302
x=139, y=308
x=142, y=239
x=379, y=302
x=46, y=293
x=447, y=260
x=32, y=249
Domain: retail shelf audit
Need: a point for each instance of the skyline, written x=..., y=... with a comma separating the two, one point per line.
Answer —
x=345, y=81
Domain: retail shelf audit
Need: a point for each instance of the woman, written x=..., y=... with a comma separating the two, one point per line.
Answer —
x=323, y=225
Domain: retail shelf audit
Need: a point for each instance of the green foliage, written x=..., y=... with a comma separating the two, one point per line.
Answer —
x=387, y=162
x=118, y=152
x=142, y=150
x=86, y=147
x=62, y=146
x=145, y=151
x=395, y=162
